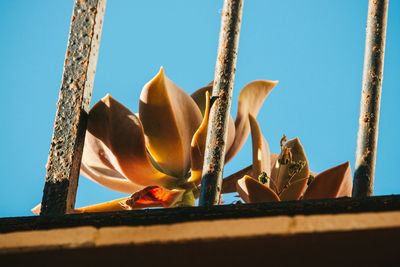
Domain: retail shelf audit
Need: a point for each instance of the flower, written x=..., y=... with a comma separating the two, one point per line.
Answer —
x=157, y=154
x=285, y=176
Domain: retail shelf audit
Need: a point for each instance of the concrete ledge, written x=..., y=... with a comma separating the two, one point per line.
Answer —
x=204, y=231
x=149, y=217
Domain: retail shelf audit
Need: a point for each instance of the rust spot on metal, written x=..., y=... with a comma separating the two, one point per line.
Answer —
x=220, y=109
x=370, y=98
x=62, y=168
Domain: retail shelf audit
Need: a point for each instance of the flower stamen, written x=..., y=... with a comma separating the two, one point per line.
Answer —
x=263, y=178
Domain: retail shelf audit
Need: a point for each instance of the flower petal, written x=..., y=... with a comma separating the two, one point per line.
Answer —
x=170, y=117
x=261, y=153
x=36, y=210
x=332, y=183
x=115, y=138
x=251, y=191
x=198, y=97
x=289, y=186
x=113, y=205
x=295, y=190
x=251, y=99
x=96, y=166
x=109, y=178
x=198, y=145
x=229, y=183
x=154, y=196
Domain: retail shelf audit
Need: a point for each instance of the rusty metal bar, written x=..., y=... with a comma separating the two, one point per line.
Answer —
x=62, y=169
x=221, y=97
x=370, y=98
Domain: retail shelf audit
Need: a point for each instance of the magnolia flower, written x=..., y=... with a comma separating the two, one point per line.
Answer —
x=285, y=176
x=157, y=154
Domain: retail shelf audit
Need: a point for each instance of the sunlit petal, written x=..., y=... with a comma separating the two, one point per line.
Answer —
x=116, y=135
x=251, y=191
x=198, y=97
x=154, y=196
x=251, y=99
x=170, y=117
x=198, y=145
x=113, y=205
x=261, y=153
x=291, y=186
x=332, y=183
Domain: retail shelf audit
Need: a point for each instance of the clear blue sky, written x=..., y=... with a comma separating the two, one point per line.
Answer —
x=313, y=47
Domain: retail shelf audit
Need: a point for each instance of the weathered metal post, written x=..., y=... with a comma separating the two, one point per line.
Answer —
x=370, y=98
x=62, y=169
x=221, y=95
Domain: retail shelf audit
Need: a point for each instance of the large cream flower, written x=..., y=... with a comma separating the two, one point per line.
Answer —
x=157, y=154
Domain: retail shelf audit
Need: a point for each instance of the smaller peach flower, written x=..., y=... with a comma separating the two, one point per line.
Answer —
x=286, y=176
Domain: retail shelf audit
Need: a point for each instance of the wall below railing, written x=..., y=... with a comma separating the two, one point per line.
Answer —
x=353, y=239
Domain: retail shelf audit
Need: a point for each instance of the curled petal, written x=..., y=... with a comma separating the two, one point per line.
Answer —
x=198, y=97
x=170, y=117
x=251, y=99
x=251, y=191
x=115, y=138
x=290, y=183
x=332, y=183
x=198, y=145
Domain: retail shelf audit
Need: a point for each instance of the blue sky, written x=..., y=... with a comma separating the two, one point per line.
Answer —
x=314, y=48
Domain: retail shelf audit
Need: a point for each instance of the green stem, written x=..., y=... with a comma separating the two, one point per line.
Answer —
x=188, y=200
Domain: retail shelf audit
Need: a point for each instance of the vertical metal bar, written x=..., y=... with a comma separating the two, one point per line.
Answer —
x=221, y=97
x=370, y=98
x=62, y=169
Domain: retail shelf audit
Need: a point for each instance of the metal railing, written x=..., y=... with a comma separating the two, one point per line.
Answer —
x=77, y=83
x=367, y=140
